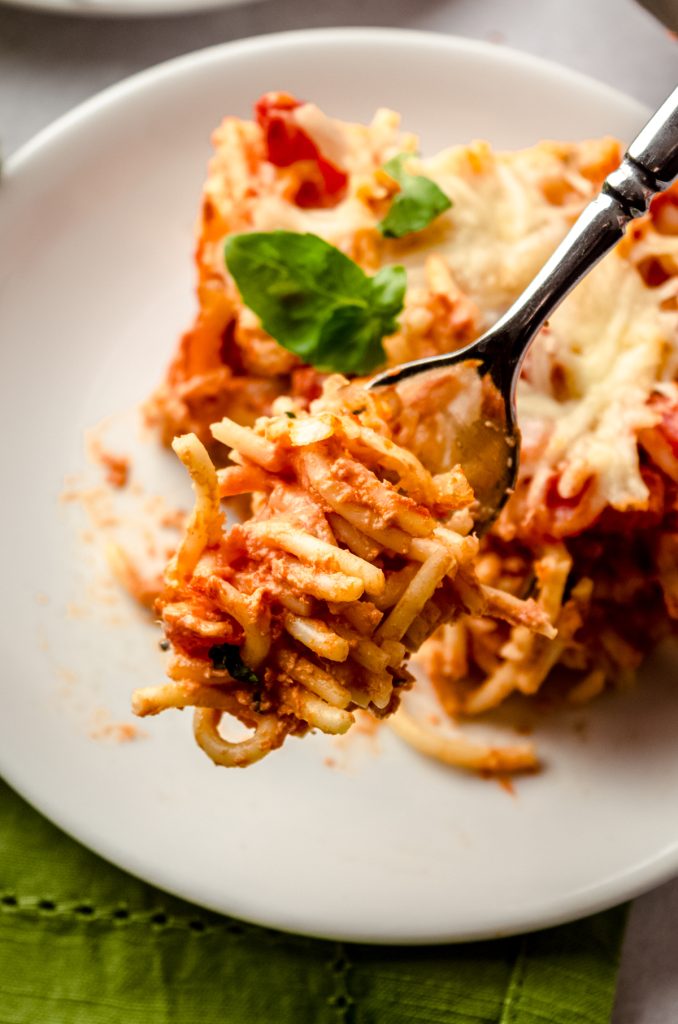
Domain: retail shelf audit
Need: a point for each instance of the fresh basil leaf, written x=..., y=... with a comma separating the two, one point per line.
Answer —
x=227, y=656
x=314, y=300
x=388, y=287
x=418, y=203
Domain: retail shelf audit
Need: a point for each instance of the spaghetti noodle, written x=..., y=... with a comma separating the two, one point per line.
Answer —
x=308, y=610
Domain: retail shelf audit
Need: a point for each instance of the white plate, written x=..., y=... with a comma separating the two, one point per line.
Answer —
x=96, y=220
x=125, y=8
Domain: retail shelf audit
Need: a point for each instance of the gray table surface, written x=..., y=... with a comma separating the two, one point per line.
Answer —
x=49, y=63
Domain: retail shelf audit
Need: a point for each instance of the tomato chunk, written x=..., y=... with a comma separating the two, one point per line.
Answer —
x=322, y=183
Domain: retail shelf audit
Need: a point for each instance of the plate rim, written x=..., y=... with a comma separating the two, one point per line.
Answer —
x=104, y=98
x=620, y=887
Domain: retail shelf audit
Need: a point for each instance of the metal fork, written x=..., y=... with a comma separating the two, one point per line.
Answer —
x=487, y=444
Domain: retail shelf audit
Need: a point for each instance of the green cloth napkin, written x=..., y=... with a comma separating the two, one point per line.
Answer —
x=83, y=943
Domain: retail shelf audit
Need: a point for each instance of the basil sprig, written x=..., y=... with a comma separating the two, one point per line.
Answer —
x=418, y=202
x=314, y=300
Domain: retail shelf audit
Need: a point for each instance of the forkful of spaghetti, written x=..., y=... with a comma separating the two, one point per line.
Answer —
x=309, y=610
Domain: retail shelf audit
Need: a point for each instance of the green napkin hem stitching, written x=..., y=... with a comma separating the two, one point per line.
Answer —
x=342, y=1000
x=119, y=915
x=80, y=912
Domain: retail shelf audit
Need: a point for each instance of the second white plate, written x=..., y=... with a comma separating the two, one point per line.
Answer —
x=125, y=8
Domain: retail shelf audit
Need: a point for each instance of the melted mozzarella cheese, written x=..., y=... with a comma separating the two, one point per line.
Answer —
x=611, y=342
x=588, y=377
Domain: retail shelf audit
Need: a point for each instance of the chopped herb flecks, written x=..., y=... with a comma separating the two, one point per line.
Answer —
x=227, y=657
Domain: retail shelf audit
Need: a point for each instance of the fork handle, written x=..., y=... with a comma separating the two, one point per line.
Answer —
x=649, y=166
